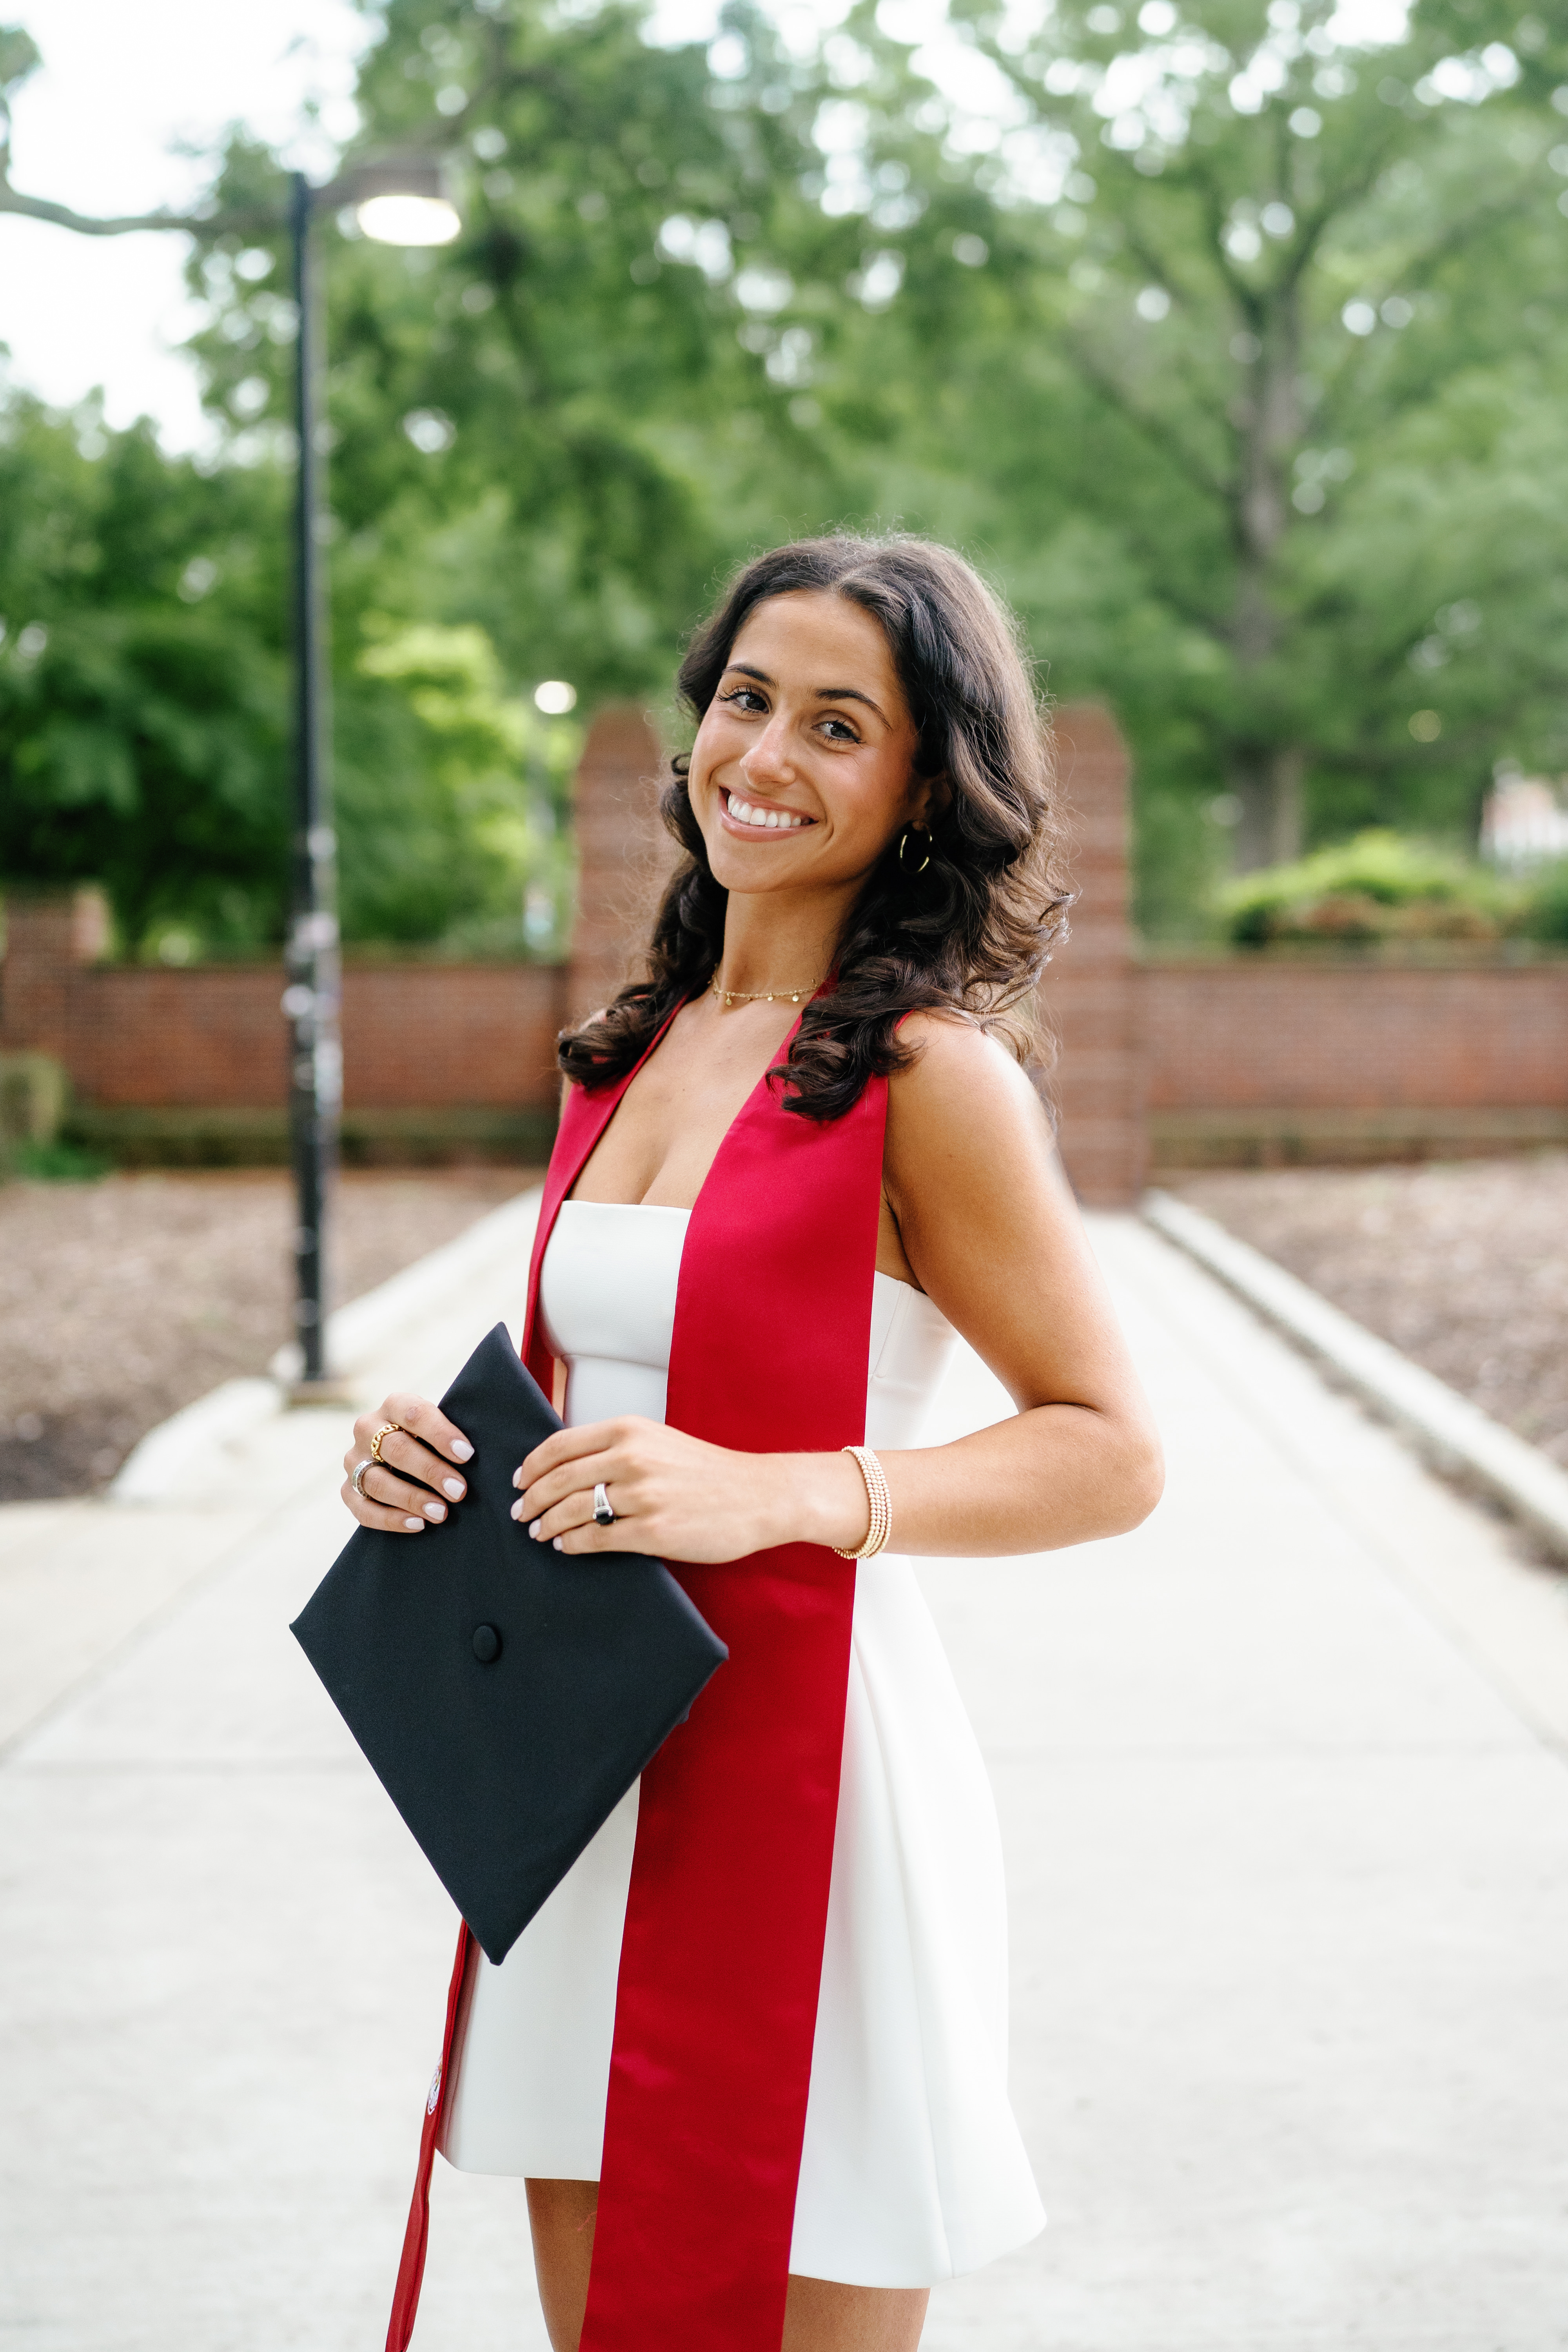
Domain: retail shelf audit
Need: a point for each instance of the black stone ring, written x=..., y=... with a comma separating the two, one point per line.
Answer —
x=604, y=1515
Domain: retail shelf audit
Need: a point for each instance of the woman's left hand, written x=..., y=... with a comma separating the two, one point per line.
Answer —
x=673, y=1495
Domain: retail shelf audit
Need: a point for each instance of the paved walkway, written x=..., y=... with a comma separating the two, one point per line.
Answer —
x=1282, y=1781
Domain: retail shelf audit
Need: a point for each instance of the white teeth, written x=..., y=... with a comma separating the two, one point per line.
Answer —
x=773, y=820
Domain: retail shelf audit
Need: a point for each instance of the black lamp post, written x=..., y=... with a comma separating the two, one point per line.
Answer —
x=399, y=201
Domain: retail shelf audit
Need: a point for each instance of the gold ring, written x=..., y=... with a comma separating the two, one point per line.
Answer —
x=386, y=1430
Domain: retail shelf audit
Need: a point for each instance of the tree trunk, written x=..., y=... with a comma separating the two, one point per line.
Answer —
x=1265, y=777
x=1267, y=782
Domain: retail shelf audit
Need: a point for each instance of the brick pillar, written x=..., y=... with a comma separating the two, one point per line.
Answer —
x=624, y=854
x=49, y=937
x=1090, y=989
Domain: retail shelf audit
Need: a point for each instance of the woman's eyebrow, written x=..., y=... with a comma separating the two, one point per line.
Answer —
x=850, y=694
x=823, y=693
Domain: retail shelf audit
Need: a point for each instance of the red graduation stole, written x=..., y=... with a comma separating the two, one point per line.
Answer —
x=722, y=1957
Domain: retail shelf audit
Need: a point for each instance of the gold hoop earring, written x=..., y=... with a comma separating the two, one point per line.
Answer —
x=903, y=837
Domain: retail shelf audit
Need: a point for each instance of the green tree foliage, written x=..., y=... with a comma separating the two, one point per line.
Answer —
x=141, y=682
x=1233, y=349
x=447, y=790
x=1270, y=384
x=1230, y=349
x=555, y=412
x=144, y=700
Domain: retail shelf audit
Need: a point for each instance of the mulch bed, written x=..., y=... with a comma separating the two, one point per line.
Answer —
x=124, y=1299
x=1463, y=1264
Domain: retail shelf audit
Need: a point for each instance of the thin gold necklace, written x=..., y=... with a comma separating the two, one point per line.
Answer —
x=728, y=996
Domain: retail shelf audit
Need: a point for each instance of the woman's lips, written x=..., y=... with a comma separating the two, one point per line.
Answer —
x=755, y=818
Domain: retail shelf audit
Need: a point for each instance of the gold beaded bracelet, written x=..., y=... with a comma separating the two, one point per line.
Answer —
x=881, y=1504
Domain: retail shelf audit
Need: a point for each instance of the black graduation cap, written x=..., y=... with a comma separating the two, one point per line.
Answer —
x=506, y=1694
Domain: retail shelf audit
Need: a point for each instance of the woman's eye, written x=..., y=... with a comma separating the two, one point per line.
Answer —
x=745, y=697
x=840, y=731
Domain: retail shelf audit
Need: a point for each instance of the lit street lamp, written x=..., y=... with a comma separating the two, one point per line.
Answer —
x=398, y=201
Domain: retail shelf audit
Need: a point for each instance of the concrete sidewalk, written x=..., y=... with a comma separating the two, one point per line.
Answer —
x=1282, y=1785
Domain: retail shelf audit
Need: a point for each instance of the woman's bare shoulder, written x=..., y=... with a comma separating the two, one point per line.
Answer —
x=968, y=1137
x=959, y=1077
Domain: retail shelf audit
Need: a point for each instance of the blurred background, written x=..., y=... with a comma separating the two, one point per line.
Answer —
x=1227, y=338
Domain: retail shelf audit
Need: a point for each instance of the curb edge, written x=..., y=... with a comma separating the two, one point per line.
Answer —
x=1451, y=1433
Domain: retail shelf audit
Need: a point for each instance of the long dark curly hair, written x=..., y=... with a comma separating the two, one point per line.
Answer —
x=968, y=935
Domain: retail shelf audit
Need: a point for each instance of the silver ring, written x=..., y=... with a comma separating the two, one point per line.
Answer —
x=360, y=1469
x=604, y=1511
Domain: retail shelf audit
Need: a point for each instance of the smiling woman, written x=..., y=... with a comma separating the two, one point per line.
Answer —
x=751, y=2055
x=929, y=870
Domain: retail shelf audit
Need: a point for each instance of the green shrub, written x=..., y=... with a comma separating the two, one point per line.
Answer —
x=1544, y=914
x=1380, y=886
x=56, y=1163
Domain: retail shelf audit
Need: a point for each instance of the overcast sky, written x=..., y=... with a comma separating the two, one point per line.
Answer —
x=122, y=82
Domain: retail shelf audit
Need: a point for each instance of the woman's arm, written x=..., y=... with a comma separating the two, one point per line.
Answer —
x=991, y=1232
x=993, y=1237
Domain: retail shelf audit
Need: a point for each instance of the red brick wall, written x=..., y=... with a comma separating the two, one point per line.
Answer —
x=211, y=1037
x=439, y=1034
x=1256, y=1062
x=429, y=1035
x=1345, y=1036
x=48, y=941
x=623, y=854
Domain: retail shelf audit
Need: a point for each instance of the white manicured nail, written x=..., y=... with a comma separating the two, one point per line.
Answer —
x=461, y=1449
x=557, y=1543
x=534, y=1526
x=454, y=1487
x=414, y=1527
x=517, y=1508
x=435, y=1510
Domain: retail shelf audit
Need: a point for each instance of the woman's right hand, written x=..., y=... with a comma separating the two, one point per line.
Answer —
x=404, y=1490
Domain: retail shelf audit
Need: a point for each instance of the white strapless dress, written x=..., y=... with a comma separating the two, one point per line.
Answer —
x=912, y=2169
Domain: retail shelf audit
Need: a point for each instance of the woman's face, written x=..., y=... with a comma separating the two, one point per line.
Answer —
x=803, y=770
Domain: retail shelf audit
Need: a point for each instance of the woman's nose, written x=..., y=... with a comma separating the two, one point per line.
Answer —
x=768, y=760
